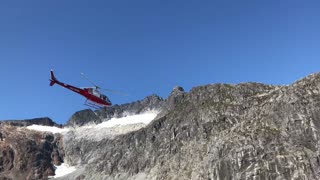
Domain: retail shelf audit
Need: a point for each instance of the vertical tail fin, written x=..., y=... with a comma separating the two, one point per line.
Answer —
x=53, y=79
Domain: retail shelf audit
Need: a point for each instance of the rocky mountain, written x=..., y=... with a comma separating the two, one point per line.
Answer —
x=217, y=131
x=26, y=154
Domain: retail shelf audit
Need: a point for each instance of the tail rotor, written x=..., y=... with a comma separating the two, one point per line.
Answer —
x=53, y=79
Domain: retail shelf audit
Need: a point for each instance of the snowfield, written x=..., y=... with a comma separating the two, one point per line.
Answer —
x=47, y=129
x=107, y=129
x=144, y=118
x=62, y=170
x=113, y=127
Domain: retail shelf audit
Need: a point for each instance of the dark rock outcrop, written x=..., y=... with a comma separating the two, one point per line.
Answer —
x=175, y=97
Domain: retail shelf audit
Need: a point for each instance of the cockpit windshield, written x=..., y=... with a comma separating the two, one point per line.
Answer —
x=98, y=94
x=104, y=97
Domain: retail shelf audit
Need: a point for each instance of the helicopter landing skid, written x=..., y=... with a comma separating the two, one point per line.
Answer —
x=92, y=104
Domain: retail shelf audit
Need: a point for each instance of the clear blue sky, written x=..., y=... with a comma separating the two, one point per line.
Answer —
x=146, y=47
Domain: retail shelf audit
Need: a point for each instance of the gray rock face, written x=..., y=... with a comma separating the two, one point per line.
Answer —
x=220, y=131
x=26, y=154
x=83, y=117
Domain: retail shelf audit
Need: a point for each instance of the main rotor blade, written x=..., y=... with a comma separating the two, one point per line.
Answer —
x=115, y=92
x=98, y=87
x=90, y=80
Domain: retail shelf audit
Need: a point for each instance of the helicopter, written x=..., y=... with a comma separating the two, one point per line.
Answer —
x=94, y=98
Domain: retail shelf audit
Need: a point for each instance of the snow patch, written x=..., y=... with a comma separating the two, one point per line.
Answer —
x=47, y=128
x=113, y=127
x=262, y=94
x=63, y=169
x=107, y=129
x=145, y=118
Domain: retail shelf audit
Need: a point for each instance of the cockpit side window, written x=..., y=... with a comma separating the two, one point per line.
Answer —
x=103, y=97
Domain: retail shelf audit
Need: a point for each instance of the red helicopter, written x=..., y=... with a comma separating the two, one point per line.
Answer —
x=95, y=99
